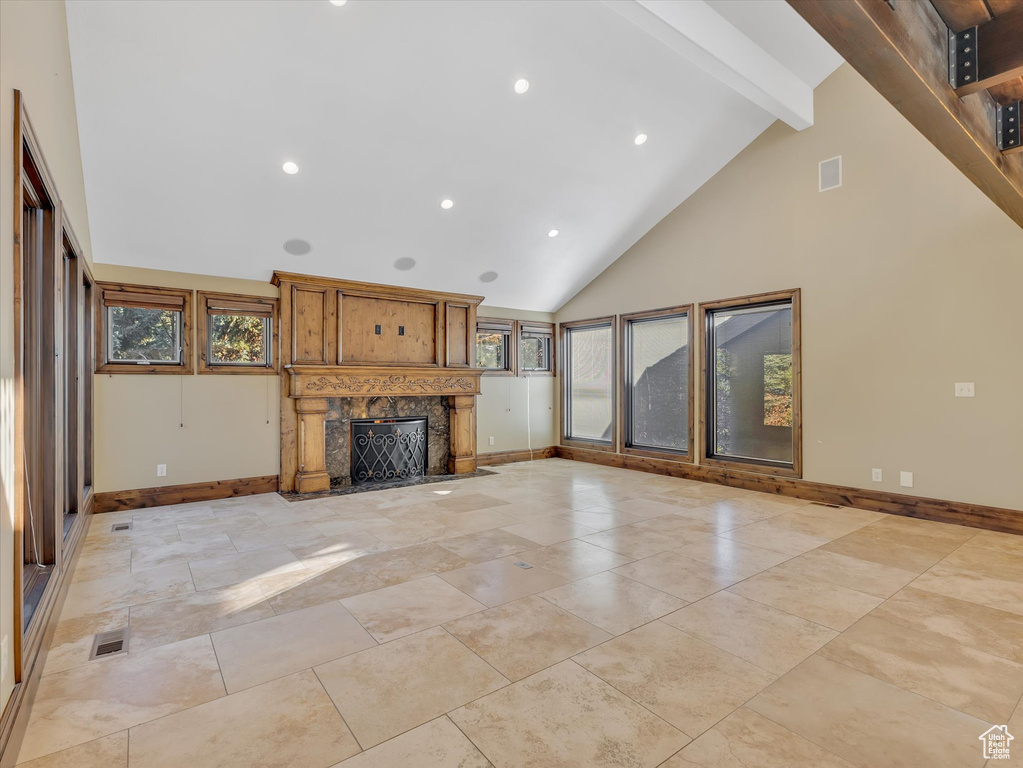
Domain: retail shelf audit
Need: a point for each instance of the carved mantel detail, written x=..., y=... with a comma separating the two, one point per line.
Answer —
x=322, y=381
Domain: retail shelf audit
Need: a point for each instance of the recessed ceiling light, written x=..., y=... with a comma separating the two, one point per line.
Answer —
x=641, y=139
x=552, y=233
x=405, y=263
x=290, y=167
x=297, y=247
x=446, y=204
x=338, y=3
x=521, y=86
x=488, y=277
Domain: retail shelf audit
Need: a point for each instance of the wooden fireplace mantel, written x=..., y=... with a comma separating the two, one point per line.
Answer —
x=345, y=339
x=360, y=381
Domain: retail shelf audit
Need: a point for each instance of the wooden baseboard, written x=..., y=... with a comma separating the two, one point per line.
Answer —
x=496, y=458
x=959, y=513
x=140, y=498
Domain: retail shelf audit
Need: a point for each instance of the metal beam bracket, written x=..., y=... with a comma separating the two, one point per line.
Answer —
x=1007, y=124
x=963, y=68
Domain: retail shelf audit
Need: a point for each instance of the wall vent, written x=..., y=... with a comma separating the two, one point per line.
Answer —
x=829, y=174
x=121, y=527
x=109, y=643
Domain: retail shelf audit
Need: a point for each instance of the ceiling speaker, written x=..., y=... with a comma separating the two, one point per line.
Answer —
x=297, y=247
x=830, y=174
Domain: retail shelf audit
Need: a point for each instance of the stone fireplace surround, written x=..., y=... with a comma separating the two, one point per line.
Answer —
x=342, y=410
x=313, y=387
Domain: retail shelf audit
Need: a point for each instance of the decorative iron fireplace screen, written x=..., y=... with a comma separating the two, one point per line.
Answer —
x=388, y=449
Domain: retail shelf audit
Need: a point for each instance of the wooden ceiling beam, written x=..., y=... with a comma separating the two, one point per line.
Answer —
x=903, y=53
x=999, y=53
x=962, y=14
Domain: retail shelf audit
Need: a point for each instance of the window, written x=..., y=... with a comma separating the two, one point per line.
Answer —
x=536, y=349
x=588, y=385
x=237, y=333
x=495, y=352
x=145, y=329
x=658, y=389
x=752, y=382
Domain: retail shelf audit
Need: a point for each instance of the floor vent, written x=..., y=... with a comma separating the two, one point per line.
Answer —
x=121, y=527
x=822, y=504
x=110, y=643
x=524, y=566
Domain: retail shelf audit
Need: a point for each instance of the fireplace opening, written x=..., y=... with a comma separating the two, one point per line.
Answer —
x=388, y=449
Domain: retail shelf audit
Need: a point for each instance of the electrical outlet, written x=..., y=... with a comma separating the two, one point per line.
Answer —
x=491, y=441
x=4, y=658
x=161, y=470
x=965, y=389
x=875, y=475
x=906, y=479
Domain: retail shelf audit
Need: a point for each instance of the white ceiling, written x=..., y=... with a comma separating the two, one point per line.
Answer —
x=187, y=110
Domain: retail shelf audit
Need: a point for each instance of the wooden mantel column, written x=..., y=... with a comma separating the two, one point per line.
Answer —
x=312, y=458
x=463, y=434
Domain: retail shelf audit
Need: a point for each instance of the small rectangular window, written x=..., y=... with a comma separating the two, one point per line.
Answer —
x=495, y=352
x=536, y=349
x=236, y=333
x=752, y=370
x=657, y=346
x=588, y=386
x=145, y=329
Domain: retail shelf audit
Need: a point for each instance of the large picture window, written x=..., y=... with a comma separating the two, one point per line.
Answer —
x=236, y=333
x=658, y=382
x=752, y=381
x=145, y=329
x=589, y=398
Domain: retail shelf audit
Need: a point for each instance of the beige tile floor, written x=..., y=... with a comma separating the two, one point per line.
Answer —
x=662, y=622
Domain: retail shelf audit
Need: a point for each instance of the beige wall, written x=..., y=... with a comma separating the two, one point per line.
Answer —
x=517, y=411
x=35, y=59
x=203, y=427
x=910, y=282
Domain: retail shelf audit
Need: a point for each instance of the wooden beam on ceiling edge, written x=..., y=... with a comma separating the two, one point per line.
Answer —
x=903, y=53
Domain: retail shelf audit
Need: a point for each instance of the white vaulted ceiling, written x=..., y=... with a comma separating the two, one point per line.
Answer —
x=187, y=111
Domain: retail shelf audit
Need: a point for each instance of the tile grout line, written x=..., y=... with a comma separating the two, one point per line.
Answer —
x=326, y=693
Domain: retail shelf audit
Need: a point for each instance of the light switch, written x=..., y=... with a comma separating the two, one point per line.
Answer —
x=906, y=479
x=964, y=389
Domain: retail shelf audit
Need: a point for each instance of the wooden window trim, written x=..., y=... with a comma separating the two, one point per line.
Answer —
x=210, y=302
x=796, y=470
x=502, y=325
x=564, y=330
x=623, y=383
x=161, y=298
x=529, y=326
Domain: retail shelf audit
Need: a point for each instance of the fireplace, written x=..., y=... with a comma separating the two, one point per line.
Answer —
x=388, y=449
